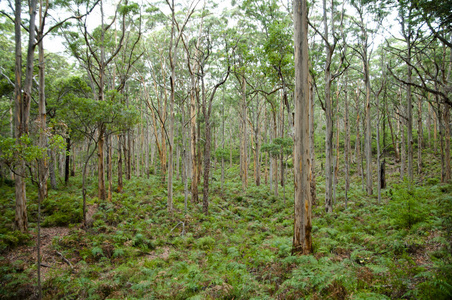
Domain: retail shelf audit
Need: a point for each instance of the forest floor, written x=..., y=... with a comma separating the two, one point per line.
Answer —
x=133, y=249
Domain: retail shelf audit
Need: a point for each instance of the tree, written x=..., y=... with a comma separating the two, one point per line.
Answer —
x=302, y=241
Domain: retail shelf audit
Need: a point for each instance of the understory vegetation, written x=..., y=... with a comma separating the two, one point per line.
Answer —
x=134, y=249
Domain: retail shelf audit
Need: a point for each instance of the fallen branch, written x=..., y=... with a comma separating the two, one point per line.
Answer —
x=183, y=228
x=46, y=266
x=64, y=259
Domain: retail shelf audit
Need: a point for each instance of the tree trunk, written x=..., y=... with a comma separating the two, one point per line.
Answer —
x=402, y=141
x=222, y=145
x=346, y=144
x=368, y=129
x=67, y=160
x=429, y=123
x=302, y=241
x=311, y=141
x=446, y=116
x=109, y=166
x=420, y=134
x=205, y=191
x=52, y=175
x=329, y=120
x=358, y=138
x=120, y=172
x=100, y=163
x=244, y=145
x=22, y=107
x=194, y=139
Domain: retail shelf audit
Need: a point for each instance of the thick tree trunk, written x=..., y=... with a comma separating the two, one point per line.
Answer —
x=302, y=241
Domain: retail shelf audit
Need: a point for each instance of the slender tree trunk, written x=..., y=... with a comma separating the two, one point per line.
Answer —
x=194, y=152
x=67, y=160
x=109, y=167
x=128, y=153
x=435, y=133
x=43, y=168
x=420, y=134
x=358, y=138
x=100, y=164
x=311, y=142
x=120, y=162
x=368, y=131
x=393, y=137
x=402, y=142
x=222, y=145
x=302, y=240
x=379, y=169
x=146, y=151
x=329, y=120
x=429, y=123
x=346, y=144
x=336, y=159
x=446, y=116
x=244, y=139
x=205, y=191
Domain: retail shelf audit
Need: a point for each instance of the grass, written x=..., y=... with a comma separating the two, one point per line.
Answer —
x=400, y=249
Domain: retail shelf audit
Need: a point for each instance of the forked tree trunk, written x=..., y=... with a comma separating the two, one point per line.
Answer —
x=22, y=106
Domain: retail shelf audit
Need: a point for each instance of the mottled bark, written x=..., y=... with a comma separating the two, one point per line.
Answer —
x=302, y=241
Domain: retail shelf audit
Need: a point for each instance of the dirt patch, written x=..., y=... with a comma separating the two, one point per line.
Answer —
x=49, y=257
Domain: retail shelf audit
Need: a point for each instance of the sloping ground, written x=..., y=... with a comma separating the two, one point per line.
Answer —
x=400, y=249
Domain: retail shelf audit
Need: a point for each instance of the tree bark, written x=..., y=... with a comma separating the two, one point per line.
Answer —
x=67, y=160
x=311, y=142
x=347, y=144
x=302, y=241
x=329, y=120
x=244, y=145
x=446, y=122
x=120, y=162
x=420, y=135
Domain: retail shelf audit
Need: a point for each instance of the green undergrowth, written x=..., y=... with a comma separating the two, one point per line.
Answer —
x=135, y=249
